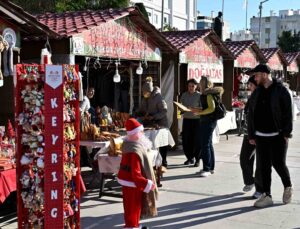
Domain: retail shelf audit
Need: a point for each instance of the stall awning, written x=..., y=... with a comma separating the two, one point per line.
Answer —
x=247, y=53
x=27, y=24
x=275, y=58
x=293, y=59
x=183, y=39
x=69, y=24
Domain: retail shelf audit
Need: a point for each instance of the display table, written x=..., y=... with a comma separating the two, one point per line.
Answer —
x=8, y=183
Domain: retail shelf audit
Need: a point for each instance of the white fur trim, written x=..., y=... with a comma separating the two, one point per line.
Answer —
x=136, y=130
x=126, y=183
x=148, y=187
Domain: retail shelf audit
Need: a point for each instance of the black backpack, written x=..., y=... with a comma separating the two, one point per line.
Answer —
x=220, y=110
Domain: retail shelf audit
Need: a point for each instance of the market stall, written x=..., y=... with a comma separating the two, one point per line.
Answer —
x=47, y=140
x=15, y=24
x=202, y=53
x=247, y=55
x=277, y=62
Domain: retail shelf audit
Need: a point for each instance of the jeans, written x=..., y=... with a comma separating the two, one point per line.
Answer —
x=271, y=151
x=207, y=149
x=163, y=152
x=191, y=138
x=247, y=165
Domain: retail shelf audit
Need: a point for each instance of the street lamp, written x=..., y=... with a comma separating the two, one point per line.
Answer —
x=259, y=30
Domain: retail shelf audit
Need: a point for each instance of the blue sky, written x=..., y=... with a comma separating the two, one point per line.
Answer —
x=236, y=15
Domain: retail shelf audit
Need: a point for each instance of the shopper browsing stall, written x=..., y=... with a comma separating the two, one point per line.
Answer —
x=153, y=111
x=136, y=176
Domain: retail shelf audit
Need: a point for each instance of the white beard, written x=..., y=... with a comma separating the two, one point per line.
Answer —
x=145, y=141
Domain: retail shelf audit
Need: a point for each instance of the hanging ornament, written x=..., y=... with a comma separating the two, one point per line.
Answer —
x=117, y=77
x=139, y=70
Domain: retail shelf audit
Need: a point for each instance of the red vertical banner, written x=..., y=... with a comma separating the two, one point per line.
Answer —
x=54, y=165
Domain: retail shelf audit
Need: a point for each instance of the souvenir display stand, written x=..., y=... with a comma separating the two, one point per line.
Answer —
x=48, y=166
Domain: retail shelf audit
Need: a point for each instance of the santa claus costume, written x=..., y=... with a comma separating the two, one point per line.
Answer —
x=136, y=176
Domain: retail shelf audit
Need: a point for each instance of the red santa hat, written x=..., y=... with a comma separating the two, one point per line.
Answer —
x=133, y=126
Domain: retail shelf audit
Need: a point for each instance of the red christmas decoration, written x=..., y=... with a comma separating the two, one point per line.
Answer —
x=10, y=130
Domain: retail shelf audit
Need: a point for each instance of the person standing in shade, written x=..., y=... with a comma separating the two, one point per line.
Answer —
x=191, y=124
x=153, y=110
x=207, y=124
x=270, y=126
x=247, y=154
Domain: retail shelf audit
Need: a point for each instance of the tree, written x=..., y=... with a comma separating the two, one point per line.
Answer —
x=168, y=27
x=42, y=6
x=289, y=42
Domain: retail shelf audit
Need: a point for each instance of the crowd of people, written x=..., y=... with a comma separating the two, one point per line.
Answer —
x=267, y=129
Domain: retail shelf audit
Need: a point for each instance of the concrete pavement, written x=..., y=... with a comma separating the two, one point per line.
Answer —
x=188, y=201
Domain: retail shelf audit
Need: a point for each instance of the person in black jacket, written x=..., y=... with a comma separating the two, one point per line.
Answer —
x=247, y=155
x=269, y=128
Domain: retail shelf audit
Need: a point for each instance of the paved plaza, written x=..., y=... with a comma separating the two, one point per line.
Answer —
x=188, y=201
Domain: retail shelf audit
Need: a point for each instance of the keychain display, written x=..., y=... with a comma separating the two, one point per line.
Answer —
x=30, y=120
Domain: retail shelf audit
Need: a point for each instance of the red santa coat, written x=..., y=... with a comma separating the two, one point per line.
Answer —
x=130, y=173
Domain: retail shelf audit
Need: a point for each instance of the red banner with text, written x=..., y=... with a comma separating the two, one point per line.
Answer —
x=54, y=173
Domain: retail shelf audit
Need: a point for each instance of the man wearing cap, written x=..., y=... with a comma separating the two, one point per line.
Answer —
x=247, y=155
x=136, y=176
x=269, y=128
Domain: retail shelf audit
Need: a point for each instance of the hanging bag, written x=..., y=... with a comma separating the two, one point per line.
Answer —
x=220, y=110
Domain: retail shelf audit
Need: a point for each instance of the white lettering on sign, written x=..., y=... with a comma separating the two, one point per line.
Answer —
x=54, y=121
x=213, y=70
x=54, y=139
x=54, y=194
x=54, y=158
x=54, y=176
x=54, y=213
x=53, y=103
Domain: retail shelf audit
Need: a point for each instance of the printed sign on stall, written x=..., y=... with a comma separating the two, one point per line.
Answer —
x=213, y=70
x=54, y=174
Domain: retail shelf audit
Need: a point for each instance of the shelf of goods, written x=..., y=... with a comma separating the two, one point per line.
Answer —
x=48, y=166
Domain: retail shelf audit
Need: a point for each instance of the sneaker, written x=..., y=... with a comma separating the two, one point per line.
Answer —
x=248, y=188
x=197, y=163
x=287, y=195
x=212, y=171
x=256, y=195
x=204, y=173
x=263, y=201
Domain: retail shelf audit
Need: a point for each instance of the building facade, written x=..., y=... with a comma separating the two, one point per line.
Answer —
x=241, y=35
x=273, y=26
x=181, y=14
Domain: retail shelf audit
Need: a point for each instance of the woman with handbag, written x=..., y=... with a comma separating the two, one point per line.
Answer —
x=208, y=123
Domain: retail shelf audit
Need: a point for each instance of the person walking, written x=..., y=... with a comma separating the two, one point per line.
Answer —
x=207, y=124
x=247, y=155
x=269, y=128
x=191, y=124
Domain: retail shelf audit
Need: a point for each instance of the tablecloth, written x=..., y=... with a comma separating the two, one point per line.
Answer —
x=8, y=183
x=224, y=124
x=160, y=137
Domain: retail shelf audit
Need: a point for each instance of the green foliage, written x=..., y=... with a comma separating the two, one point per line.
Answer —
x=289, y=42
x=168, y=27
x=42, y=6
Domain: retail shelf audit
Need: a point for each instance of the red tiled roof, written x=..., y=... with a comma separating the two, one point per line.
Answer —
x=238, y=47
x=291, y=56
x=269, y=52
x=69, y=23
x=181, y=39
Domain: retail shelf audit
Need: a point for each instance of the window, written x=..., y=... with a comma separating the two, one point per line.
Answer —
x=149, y=14
x=267, y=41
x=268, y=19
x=165, y=20
x=155, y=18
x=267, y=30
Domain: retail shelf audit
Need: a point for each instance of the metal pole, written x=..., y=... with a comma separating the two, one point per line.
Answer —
x=246, y=15
x=162, y=14
x=259, y=30
x=222, y=20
